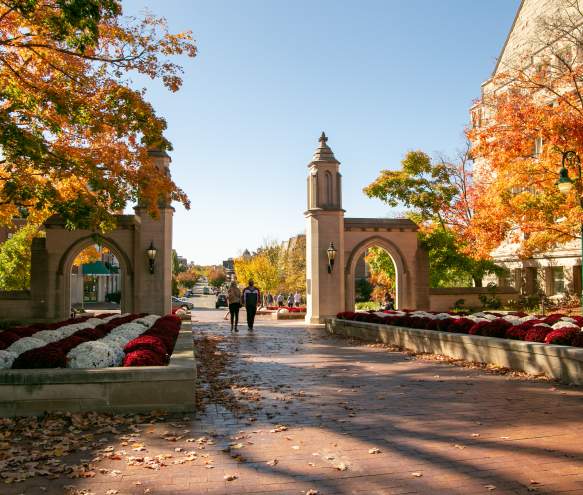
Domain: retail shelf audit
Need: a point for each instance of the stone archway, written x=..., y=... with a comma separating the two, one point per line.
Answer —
x=361, y=249
x=143, y=290
x=331, y=291
x=63, y=278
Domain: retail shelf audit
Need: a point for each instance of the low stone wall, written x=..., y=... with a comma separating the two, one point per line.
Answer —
x=170, y=388
x=15, y=305
x=444, y=299
x=555, y=361
x=276, y=315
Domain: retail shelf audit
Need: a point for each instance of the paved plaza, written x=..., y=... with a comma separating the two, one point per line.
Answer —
x=289, y=410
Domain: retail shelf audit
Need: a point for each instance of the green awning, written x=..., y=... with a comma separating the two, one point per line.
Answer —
x=95, y=268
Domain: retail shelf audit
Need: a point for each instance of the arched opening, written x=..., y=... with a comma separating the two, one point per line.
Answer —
x=329, y=198
x=375, y=280
x=96, y=280
x=386, y=260
x=96, y=275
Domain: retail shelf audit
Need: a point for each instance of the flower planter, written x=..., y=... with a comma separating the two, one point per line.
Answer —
x=564, y=363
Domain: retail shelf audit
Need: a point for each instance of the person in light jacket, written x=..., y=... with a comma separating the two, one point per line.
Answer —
x=234, y=299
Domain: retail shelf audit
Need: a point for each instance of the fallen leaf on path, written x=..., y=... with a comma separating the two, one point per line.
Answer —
x=342, y=467
x=417, y=475
x=490, y=488
x=230, y=477
x=272, y=462
x=374, y=451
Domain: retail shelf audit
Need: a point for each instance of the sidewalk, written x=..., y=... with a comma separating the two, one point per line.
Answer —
x=289, y=410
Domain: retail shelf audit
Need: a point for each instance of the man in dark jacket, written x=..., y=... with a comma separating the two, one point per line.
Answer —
x=251, y=298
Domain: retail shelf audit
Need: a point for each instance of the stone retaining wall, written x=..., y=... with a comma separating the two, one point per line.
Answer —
x=555, y=361
x=139, y=389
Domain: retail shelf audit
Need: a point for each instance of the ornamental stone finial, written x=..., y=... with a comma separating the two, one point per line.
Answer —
x=323, y=139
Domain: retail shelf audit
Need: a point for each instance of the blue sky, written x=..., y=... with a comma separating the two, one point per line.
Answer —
x=379, y=77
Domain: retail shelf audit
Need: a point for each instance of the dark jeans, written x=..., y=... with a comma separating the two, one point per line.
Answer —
x=251, y=310
x=234, y=310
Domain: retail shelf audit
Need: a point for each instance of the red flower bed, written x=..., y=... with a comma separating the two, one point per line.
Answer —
x=516, y=333
x=577, y=340
x=166, y=329
x=49, y=356
x=495, y=328
x=461, y=325
x=144, y=357
x=150, y=342
x=537, y=334
x=562, y=336
x=529, y=331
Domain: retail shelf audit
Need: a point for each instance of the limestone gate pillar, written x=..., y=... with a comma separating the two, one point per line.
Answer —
x=153, y=291
x=325, y=225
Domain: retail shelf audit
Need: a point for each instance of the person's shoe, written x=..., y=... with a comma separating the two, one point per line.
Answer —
x=236, y=329
x=231, y=328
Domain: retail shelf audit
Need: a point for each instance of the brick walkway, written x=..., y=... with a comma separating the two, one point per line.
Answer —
x=356, y=419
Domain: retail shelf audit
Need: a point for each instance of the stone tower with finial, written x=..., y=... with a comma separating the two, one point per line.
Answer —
x=155, y=287
x=325, y=228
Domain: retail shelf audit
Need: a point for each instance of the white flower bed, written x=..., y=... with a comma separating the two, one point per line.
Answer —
x=110, y=349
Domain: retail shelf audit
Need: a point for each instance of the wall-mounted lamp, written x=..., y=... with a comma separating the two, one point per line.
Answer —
x=331, y=252
x=152, y=252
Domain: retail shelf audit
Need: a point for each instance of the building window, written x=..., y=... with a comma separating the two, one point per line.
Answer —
x=558, y=280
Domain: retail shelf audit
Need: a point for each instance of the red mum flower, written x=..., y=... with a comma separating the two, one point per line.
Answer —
x=537, y=334
x=150, y=342
x=144, y=357
x=516, y=333
x=43, y=357
x=562, y=336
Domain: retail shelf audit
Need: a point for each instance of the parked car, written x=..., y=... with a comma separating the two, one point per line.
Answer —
x=221, y=301
x=178, y=303
x=206, y=291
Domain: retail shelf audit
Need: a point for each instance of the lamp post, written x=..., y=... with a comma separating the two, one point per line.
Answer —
x=151, y=252
x=565, y=184
x=331, y=252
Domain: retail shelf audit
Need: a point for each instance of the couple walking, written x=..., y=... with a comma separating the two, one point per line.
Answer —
x=249, y=298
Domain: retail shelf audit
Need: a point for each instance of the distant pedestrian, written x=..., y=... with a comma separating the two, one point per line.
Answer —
x=251, y=298
x=290, y=301
x=270, y=299
x=297, y=299
x=234, y=299
x=280, y=299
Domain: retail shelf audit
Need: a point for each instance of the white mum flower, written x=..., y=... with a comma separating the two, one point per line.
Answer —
x=6, y=359
x=25, y=344
x=91, y=355
x=567, y=319
x=542, y=325
x=565, y=324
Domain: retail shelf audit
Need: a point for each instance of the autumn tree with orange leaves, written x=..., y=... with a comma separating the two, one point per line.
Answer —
x=538, y=98
x=438, y=194
x=75, y=133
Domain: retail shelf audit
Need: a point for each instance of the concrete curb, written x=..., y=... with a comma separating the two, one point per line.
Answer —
x=563, y=363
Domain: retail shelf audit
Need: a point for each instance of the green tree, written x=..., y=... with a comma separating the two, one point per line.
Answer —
x=438, y=195
x=449, y=267
x=15, y=259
